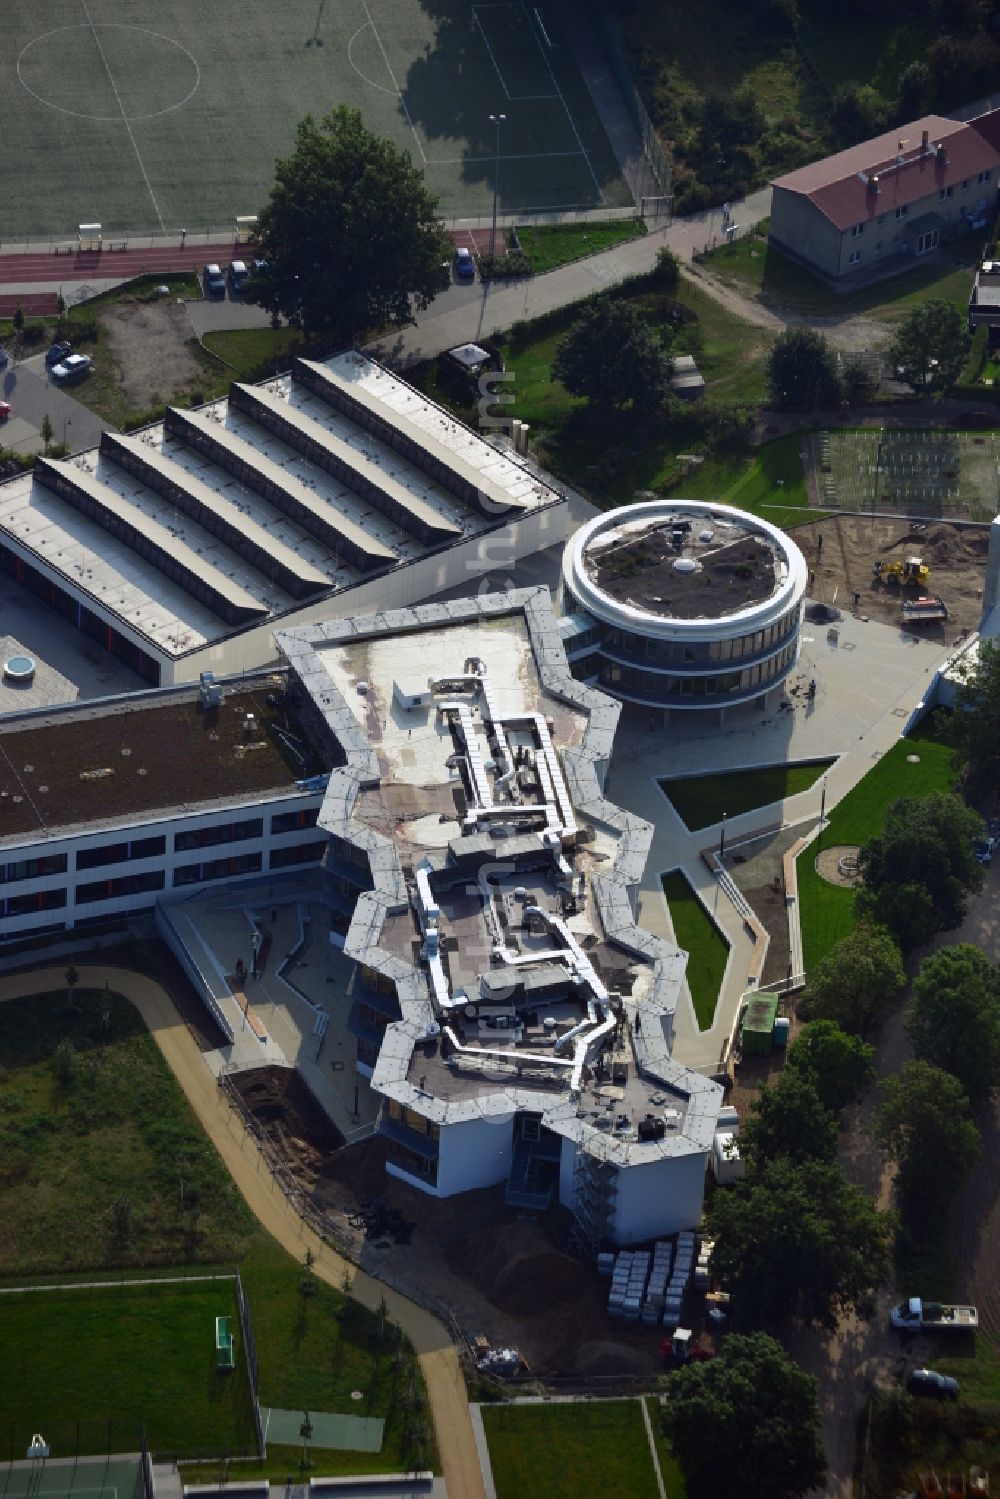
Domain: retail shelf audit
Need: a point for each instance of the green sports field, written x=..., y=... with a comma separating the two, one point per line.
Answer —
x=88, y=1367
x=158, y=115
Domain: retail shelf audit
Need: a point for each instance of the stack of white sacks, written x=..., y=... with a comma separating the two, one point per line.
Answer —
x=628, y=1284
x=679, y=1280
x=656, y=1291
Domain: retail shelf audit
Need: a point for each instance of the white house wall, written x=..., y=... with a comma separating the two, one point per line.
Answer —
x=660, y=1198
x=475, y=1153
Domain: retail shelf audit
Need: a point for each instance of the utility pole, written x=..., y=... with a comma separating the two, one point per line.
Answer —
x=497, y=120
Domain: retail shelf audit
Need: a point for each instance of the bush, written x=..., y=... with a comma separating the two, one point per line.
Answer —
x=668, y=268
x=503, y=267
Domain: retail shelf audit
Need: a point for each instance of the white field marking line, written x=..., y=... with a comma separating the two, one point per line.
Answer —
x=350, y=58
x=450, y=161
x=399, y=91
x=512, y=98
x=44, y=1493
x=125, y=119
x=486, y=44
x=107, y=1285
x=555, y=85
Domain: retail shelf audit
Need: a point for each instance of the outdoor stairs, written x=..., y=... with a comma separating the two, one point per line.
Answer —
x=522, y=1191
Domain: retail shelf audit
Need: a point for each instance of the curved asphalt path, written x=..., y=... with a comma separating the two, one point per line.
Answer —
x=437, y=1354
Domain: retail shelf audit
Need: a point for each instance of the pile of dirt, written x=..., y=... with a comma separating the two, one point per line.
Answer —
x=517, y=1269
x=359, y=1168
x=612, y=1358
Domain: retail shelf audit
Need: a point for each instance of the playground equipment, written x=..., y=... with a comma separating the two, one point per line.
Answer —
x=910, y=572
x=224, y=1360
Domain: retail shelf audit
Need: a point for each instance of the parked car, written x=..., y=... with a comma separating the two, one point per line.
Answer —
x=4, y=410
x=74, y=367
x=984, y=849
x=57, y=354
x=465, y=266
x=215, y=281
x=238, y=275
x=930, y=1382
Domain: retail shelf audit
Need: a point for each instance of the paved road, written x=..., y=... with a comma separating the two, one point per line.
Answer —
x=33, y=396
x=437, y=1355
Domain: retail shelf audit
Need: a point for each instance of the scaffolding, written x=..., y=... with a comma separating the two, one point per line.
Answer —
x=595, y=1189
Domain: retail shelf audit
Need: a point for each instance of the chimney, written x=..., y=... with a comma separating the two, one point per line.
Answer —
x=924, y=139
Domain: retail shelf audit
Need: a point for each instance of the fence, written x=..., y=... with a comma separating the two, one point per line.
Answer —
x=250, y=1348
x=146, y=1468
x=614, y=51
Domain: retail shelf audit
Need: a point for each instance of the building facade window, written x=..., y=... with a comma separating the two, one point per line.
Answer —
x=218, y=869
x=854, y=257
x=857, y=230
x=291, y=822
x=902, y=212
x=299, y=853
x=125, y=884
x=223, y=832
x=120, y=853
x=984, y=176
x=25, y=905
x=945, y=194
x=32, y=869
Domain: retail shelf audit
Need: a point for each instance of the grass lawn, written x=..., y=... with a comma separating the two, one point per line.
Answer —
x=701, y=800
x=254, y=352
x=706, y=947
x=123, y=1354
x=763, y=271
x=670, y=1468
x=827, y=911
x=549, y=246
x=570, y=1451
x=122, y=1128
x=771, y=483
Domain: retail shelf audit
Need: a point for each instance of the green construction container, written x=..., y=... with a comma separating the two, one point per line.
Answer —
x=758, y=1025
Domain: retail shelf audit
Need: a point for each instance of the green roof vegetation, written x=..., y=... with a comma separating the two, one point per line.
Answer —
x=701, y=801
x=701, y=939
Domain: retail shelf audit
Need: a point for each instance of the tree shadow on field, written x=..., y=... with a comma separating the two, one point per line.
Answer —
x=460, y=80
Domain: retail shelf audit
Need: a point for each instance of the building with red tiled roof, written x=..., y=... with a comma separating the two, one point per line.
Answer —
x=889, y=199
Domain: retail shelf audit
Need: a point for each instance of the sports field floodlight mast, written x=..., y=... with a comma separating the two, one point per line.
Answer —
x=497, y=120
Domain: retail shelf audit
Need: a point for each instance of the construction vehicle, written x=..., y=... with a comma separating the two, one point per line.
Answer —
x=928, y=606
x=908, y=572
x=678, y=1349
x=915, y=1315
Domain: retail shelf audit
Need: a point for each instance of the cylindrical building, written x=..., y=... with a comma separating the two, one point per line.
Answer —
x=677, y=604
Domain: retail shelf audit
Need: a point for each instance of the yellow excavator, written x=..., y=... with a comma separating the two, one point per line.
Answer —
x=904, y=572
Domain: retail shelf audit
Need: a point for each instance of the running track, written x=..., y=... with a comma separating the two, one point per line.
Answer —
x=117, y=265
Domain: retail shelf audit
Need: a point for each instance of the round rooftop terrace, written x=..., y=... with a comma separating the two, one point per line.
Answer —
x=680, y=569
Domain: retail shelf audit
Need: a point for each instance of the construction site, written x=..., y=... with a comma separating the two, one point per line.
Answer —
x=858, y=564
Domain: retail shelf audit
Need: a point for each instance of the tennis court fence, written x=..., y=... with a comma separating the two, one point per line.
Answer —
x=250, y=1348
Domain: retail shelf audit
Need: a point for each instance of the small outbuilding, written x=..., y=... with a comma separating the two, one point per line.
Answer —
x=687, y=381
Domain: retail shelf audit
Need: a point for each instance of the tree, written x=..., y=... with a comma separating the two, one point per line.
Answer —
x=802, y=370
x=47, y=431
x=926, y=844
x=349, y=237
x=858, y=980
x=915, y=84
x=305, y=1432
x=923, y=1123
x=668, y=267
x=17, y=321
x=856, y=112
x=799, y=1241
x=64, y=1062
x=611, y=357
x=72, y=979
x=746, y=1422
x=976, y=724
x=931, y=346
x=954, y=1018
x=858, y=382
x=788, y=1119
x=838, y=1065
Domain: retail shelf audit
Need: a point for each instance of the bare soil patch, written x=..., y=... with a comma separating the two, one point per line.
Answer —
x=286, y=1111
x=756, y=869
x=842, y=549
x=155, y=349
x=834, y=864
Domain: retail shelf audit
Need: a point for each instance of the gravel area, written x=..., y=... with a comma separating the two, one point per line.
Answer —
x=154, y=348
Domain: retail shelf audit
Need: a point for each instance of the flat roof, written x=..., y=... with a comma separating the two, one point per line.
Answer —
x=265, y=462
x=500, y=907
x=88, y=764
